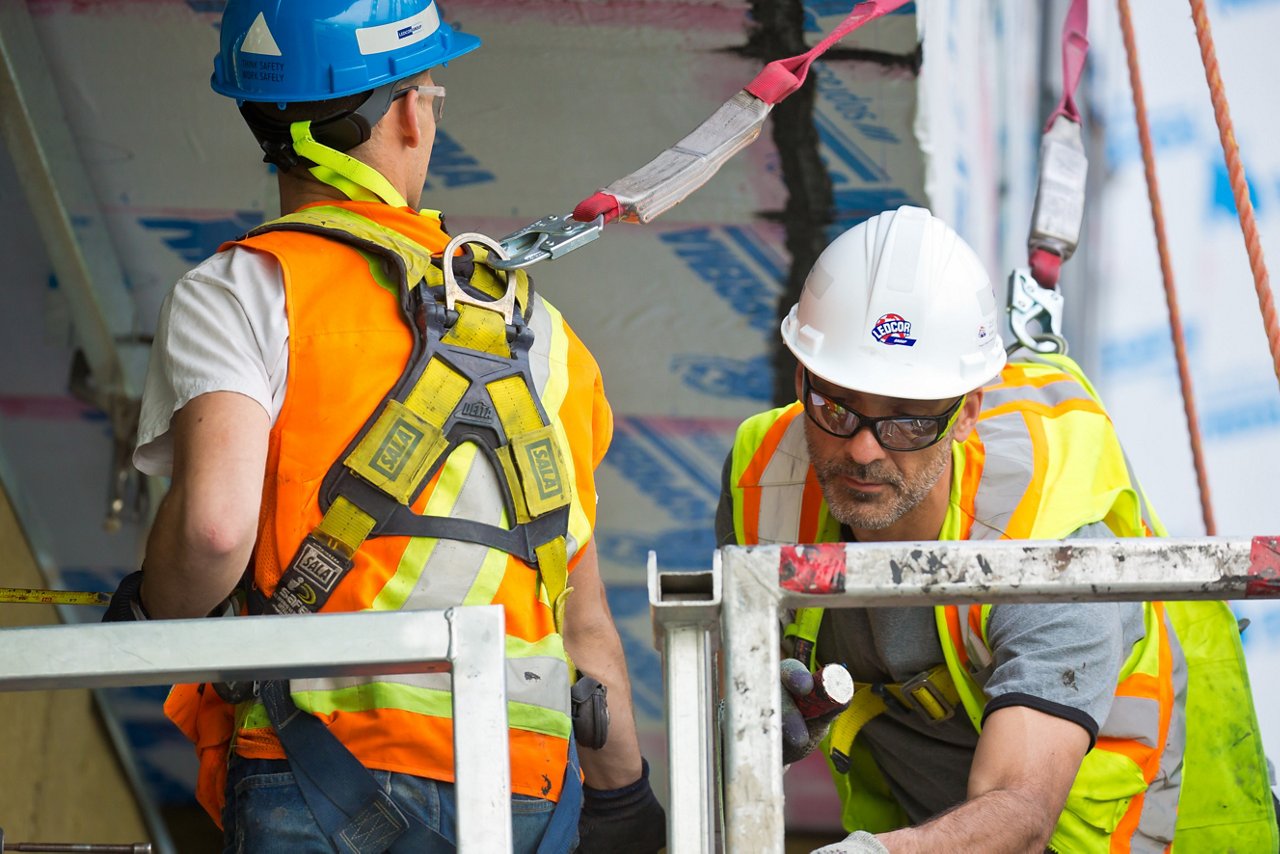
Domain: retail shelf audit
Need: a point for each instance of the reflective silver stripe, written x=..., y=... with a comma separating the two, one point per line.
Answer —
x=1135, y=718
x=782, y=486
x=541, y=681
x=1159, y=816
x=1050, y=394
x=540, y=350
x=979, y=655
x=1006, y=473
x=452, y=569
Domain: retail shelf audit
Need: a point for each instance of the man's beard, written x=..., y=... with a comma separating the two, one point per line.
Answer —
x=875, y=511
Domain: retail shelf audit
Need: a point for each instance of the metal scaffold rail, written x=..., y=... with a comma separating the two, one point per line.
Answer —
x=738, y=604
x=469, y=642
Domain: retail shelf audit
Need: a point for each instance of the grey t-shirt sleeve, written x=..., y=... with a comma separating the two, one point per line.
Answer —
x=725, y=535
x=1062, y=659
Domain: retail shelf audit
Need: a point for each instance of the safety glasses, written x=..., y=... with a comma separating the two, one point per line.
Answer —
x=437, y=94
x=894, y=433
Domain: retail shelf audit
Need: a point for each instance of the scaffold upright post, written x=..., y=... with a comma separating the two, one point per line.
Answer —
x=480, y=746
x=686, y=625
x=752, y=728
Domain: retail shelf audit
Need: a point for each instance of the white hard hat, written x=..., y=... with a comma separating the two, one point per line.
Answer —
x=898, y=306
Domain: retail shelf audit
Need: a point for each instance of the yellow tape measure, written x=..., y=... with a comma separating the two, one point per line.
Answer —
x=36, y=596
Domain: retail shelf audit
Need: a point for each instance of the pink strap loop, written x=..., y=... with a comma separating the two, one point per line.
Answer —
x=595, y=205
x=783, y=76
x=778, y=80
x=1046, y=268
x=1075, y=47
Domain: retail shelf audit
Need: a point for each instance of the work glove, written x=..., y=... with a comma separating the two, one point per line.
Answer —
x=126, y=602
x=860, y=842
x=628, y=820
x=800, y=736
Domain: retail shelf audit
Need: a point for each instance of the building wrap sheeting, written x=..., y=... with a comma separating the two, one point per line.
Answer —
x=1235, y=387
x=935, y=104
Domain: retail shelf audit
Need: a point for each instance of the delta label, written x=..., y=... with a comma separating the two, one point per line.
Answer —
x=893, y=329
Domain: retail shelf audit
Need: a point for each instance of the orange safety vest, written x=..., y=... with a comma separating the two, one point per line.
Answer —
x=1043, y=462
x=348, y=344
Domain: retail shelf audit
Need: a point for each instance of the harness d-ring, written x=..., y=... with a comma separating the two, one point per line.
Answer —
x=453, y=292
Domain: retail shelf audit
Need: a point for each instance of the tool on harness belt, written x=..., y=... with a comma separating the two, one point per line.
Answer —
x=41, y=596
x=832, y=689
x=589, y=709
x=930, y=695
x=1059, y=204
x=679, y=171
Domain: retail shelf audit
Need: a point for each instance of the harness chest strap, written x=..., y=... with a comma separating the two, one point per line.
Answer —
x=423, y=418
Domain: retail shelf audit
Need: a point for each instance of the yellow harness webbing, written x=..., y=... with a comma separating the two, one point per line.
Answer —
x=401, y=449
x=932, y=695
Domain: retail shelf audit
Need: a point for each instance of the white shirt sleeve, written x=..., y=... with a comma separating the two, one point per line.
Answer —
x=223, y=327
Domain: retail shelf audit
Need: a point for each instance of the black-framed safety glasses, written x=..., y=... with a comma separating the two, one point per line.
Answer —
x=894, y=432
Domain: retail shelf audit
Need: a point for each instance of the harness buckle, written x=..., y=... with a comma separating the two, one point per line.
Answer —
x=1029, y=301
x=548, y=238
x=504, y=305
x=924, y=682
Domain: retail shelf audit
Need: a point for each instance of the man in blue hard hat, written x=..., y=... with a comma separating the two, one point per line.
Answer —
x=369, y=426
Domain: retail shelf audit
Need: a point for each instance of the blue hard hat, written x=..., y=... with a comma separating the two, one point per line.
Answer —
x=312, y=50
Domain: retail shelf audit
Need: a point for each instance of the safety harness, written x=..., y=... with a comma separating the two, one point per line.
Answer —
x=467, y=380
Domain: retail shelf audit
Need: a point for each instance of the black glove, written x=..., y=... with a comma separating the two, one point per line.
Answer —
x=622, y=821
x=800, y=736
x=126, y=602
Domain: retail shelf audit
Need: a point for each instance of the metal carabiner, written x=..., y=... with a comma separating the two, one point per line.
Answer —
x=548, y=238
x=1029, y=301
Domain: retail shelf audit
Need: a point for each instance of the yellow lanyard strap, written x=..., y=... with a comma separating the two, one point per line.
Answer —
x=931, y=694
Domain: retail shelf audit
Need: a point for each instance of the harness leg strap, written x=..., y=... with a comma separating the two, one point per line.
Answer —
x=346, y=801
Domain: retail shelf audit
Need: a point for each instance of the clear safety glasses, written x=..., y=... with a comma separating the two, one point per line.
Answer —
x=894, y=433
x=437, y=98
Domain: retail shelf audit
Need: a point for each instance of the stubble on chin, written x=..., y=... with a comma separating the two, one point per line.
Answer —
x=873, y=511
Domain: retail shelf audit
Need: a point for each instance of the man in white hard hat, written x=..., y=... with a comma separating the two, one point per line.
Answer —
x=1073, y=727
x=371, y=418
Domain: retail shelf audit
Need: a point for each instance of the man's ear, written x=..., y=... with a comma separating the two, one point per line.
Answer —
x=799, y=381
x=968, y=417
x=404, y=118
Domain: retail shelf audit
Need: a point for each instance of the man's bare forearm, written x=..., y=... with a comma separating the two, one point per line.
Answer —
x=591, y=639
x=206, y=526
x=1001, y=821
x=189, y=572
